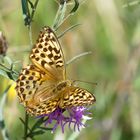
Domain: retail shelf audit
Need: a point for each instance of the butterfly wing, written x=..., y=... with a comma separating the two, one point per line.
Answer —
x=75, y=96
x=42, y=108
x=30, y=82
x=35, y=92
x=48, y=56
x=36, y=82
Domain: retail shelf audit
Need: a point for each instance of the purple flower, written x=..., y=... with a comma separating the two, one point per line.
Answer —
x=71, y=116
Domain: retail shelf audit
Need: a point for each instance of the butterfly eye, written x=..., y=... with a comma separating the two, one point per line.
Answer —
x=54, y=90
x=61, y=86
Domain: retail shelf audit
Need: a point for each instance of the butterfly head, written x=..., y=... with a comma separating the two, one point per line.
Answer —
x=62, y=85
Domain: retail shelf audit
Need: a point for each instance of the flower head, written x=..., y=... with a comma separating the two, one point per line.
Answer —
x=71, y=116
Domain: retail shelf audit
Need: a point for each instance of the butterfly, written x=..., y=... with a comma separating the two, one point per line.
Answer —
x=42, y=86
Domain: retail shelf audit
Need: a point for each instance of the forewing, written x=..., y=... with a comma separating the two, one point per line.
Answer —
x=31, y=85
x=47, y=54
x=75, y=96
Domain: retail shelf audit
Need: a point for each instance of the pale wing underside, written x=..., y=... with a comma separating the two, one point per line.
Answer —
x=42, y=108
x=75, y=96
x=31, y=86
x=47, y=55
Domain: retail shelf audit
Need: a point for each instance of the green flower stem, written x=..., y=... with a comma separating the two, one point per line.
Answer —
x=31, y=19
x=26, y=126
x=30, y=35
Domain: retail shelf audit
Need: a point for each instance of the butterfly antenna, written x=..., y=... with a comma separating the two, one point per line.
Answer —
x=91, y=83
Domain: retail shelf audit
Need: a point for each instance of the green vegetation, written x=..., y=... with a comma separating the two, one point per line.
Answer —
x=111, y=31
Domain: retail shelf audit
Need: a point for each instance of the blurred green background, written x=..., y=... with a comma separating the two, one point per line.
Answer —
x=111, y=30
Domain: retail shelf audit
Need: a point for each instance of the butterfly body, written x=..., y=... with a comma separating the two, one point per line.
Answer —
x=42, y=87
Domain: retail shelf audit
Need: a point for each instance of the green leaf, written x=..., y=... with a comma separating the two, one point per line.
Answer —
x=26, y=12
x=38, y=132
x=60, y=15
x=37, y=124
x=8, y=75
x=76, y=6
x=11, y=76
x=67, y=30
x=4, y=74
x=8, y=59
x=46, y=128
